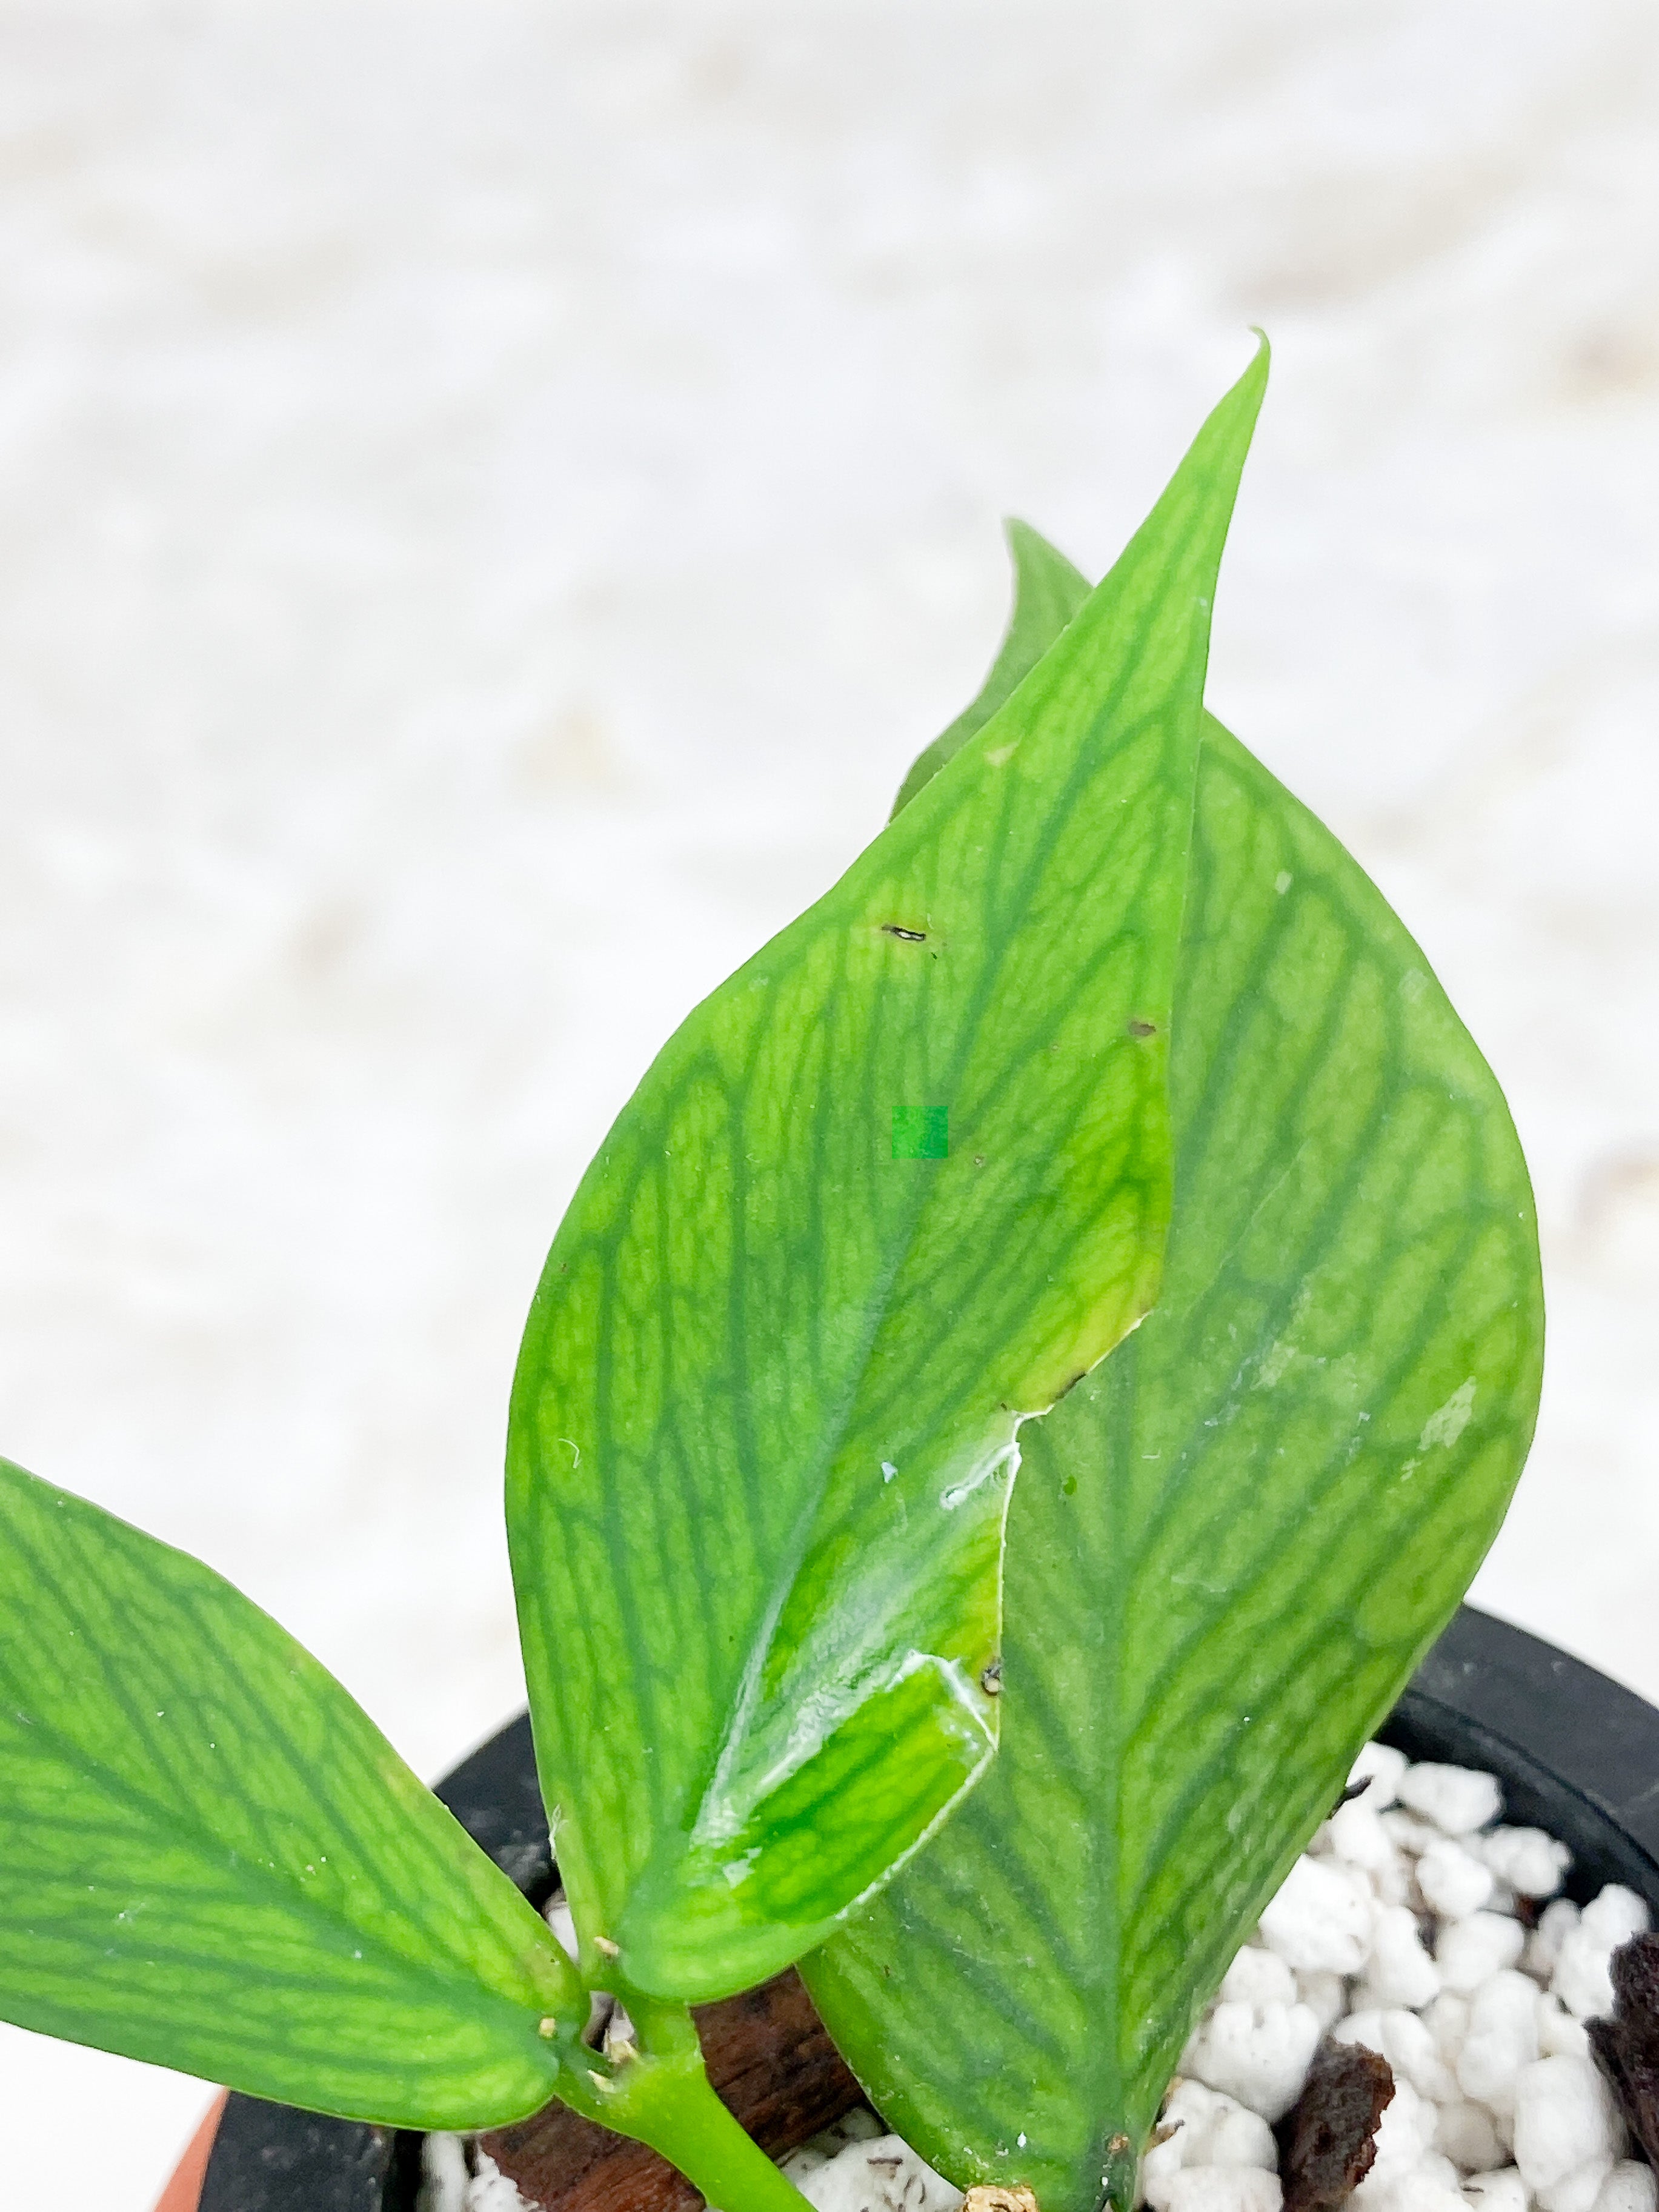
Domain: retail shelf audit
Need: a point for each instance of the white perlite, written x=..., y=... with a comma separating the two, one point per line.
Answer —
x=1455, y=1799
x=443, y=2174
x=1212, y=2133
x=1399, y=1930
x=457, y=2177
x=490, y=2191
x=854, y=2167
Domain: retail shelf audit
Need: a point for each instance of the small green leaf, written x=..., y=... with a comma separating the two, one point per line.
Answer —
x=762, y=1426
x=1231, y=1545
x=211, y=1859
x=1048, y=592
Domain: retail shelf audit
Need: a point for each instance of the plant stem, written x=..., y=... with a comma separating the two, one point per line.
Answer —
x=661, y=2096
x=697, y=2133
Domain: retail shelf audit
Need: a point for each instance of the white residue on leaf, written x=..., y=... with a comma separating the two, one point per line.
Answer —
x=1446, y=1426
x=1275, y=1362
x=978, y=1473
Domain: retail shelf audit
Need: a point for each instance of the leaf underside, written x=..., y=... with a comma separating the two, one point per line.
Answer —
x=211, y=1857
x=1229, y=1548
x=762, y=1425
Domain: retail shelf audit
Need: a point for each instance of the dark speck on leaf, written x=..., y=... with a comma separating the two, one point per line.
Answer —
x=1143, y=1029
x=991, y=1680
x=1627, y=2045
x=1327, y=2139
x=910, y=936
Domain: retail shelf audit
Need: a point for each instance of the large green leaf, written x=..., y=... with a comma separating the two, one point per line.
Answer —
x=1229, y=1546
x=762, y=1428
x=211, y=1857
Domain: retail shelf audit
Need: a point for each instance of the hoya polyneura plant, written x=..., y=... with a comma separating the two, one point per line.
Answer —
x=1103, y=1033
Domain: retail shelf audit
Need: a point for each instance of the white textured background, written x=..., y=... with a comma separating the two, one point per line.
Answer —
x=492, y=496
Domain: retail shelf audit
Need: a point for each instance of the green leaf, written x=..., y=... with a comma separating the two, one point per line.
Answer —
x=1048, y=592
x=212, y=1858
x=762, y=1432
x=1229, y=1546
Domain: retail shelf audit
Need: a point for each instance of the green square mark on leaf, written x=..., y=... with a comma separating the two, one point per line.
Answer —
x=921, y=1133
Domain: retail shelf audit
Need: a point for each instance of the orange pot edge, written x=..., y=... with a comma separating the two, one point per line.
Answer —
x=184, y=2192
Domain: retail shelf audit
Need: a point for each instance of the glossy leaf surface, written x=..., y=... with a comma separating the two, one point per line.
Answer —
x=212, y=1859
x=1229, y=1546
x=762, y=1428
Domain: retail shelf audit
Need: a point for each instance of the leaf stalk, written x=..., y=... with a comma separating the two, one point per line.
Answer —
x=657, y=2090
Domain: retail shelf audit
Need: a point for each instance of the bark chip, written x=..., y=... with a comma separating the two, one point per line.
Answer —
x=1327, y=2139
x=1627, y=2046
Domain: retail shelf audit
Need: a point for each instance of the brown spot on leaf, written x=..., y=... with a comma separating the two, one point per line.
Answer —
x=910, y=936
x=993, y=2196
x=1143, y=1029
x=1327, y=2139
x=990, y=1679
x=1627, y=2045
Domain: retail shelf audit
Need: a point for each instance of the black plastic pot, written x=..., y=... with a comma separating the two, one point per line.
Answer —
x=1577, y=1755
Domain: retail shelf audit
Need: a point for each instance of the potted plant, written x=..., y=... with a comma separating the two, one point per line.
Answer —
x=1102, y=1046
